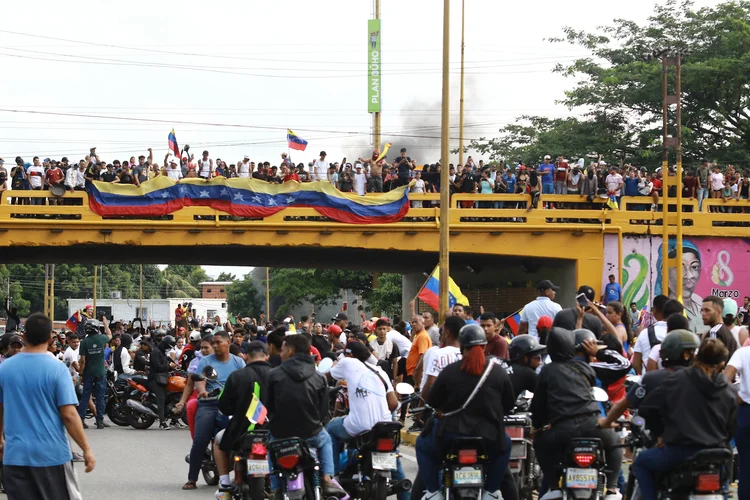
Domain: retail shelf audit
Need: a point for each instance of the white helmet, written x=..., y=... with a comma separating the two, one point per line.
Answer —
x=195, y=336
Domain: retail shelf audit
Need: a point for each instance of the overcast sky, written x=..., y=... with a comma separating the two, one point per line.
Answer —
x=266, y=66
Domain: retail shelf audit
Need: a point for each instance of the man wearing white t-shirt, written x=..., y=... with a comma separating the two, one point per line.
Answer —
x=371, y=397
x=71, y=356
x=243, y=169
x=542, y=306
x=437, y=358
x=205, y=167
x=174, y=171
x=360, y=181
x=649, y=337
x=320, y=168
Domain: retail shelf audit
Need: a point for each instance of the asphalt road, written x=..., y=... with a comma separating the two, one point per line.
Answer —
x=150, y=464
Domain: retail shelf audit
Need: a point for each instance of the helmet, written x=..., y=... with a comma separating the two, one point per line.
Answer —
x=677, y=341
x=471, y=335
x=208, y=328
x=582, y=335
x=334, y=329
x=160, y=333
x=523, y=345
x=169, y=340
x=195, y=336
x=91, y=327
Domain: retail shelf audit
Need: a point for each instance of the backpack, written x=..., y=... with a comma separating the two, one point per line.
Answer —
x=652, y=340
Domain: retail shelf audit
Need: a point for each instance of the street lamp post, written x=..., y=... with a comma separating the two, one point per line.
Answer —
x=444, y=180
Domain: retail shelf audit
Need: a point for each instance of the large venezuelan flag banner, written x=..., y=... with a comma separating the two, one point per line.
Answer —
x=246, y=198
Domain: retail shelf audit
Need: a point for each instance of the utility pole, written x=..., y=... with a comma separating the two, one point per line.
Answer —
x=376, y=109
x=46, y=290
x=96, y=275
x=268, y=294
x=52, y=293
x=671, y=58
x=461, y=100
x=140, y=294
x=444, y=181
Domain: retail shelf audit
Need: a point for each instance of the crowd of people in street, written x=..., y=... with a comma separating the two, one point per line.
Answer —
x=557, y=353
x=597, y=179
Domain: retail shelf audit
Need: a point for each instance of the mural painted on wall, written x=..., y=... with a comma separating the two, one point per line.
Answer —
x=710, y=266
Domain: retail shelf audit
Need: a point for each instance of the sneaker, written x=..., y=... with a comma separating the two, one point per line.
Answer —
x=612, y=496
x=102, y=424
x=552, y=495
x=178, y=425
x=438, y=495
x=85, y=425
x=164, y=426
x=223, y=495
x=653, y=208
x=492, y=495
x=78, y=458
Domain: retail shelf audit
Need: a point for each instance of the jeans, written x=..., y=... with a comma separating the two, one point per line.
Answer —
x=430, y=453
x=742, y=440
x=97, y=386
x=338, y=434
x=546, y=189
x=37, y=201
x=702, y=195
x=561, y=187
x=205, y=429
x=321, y=443
x=653, y=460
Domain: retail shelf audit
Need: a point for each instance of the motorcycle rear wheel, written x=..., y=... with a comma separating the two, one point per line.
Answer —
x=379, y=488
x=257, y=489
x=117, y=412
x=210, y=475
x=140, y=420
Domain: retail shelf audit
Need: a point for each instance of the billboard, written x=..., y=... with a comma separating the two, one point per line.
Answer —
x=709, y=266
x=373, y=66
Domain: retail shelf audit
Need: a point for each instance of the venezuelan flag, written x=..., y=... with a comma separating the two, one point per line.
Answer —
x=256, y=412
x=295, y=141
x=246, y=198
x=513, y=321
x=73, y=321
x=430, y=292
x=173, y=147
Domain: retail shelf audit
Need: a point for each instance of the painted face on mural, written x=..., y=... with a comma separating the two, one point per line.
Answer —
x=691, y=273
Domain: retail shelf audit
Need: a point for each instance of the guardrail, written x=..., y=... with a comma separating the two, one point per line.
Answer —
x=507, y=211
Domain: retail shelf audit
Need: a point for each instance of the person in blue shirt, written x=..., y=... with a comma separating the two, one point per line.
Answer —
x=547, y=171
x=631, y=183
x=37, y=407
x=612, y=291
x=205, y=417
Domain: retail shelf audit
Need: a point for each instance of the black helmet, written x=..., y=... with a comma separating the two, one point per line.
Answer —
x=160, y=333
x=582, y=335
x=677, y=341
x=523, y=345
x=169, y=340
x=207, y=329
x=91, y=327
x=471, y=335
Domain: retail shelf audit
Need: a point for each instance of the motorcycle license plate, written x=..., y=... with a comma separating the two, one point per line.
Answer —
x=582, y=478
x=468, y=476
x=384, y=461
x=258, y=467
x=706, y=497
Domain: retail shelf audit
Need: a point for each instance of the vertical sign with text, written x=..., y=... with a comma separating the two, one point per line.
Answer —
x=373, y=66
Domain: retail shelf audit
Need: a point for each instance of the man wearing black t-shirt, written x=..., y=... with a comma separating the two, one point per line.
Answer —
x=109, y=174
x=404, y=168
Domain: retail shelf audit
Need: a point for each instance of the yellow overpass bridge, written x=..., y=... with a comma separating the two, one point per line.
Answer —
x=566, y=243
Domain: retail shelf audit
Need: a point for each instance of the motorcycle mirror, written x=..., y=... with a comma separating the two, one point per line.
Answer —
x=599, y=394
x=210, y=373
x=325, y=365
x=404, y=389
x=527, y=395
x=197, y=377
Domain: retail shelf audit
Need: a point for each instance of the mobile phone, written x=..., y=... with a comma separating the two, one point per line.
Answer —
x=581, y=299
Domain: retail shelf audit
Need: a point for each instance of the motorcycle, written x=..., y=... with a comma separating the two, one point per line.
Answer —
x=297, y=470
x=142, y=403
x=523, y=465
x=583, y=475
x=703, y=476
x=251, y=470
x=116, y=405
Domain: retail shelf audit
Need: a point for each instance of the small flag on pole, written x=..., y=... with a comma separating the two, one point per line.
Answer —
x=385, y=151
x=295, y=141
x=513, y=321
x=256, y=412
x=430, y=292
x=173, y=147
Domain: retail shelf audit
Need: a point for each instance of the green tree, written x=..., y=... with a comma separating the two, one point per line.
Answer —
x=243, y=298
x=192, y=274
x=386, y=298
x=177, y=286
x=619, y=81
x=226, y=277
x=152, y=279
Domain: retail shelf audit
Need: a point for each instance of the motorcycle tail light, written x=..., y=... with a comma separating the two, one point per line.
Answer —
x=467, y=456
x=514, y=432
x=584, y=459
x=707, y=482
x=384, y=444
x=258, y=449
x=288, y=462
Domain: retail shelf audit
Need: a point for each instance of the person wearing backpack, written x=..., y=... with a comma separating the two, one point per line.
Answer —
x=651, y=336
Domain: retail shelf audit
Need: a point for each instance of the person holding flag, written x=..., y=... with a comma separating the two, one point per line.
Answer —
x=245, y=389
x=173, y=147
x=430, y=292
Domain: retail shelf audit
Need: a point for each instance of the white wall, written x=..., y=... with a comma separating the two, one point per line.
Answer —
x=156, y=309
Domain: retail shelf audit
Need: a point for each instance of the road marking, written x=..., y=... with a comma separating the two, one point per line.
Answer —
x=407, y=456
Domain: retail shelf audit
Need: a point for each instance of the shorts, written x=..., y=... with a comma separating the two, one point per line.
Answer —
x=58, y=482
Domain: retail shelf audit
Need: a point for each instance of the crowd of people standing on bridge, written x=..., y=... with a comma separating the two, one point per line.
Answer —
x=596, y=179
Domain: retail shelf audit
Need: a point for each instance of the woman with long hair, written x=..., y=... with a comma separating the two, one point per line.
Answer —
x=616, y=321
x=468, y=406
x=694, y=409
